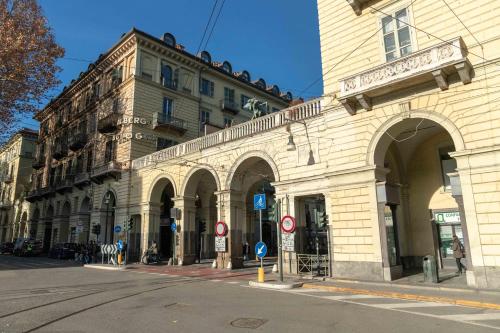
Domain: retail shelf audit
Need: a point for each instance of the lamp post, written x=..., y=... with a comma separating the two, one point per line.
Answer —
x=291, y=144
x=106, y=201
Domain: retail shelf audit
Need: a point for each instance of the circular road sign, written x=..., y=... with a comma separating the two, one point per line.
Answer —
x=117, y=229
x=173, y=226
x=288, y=224
x=220, y=229
x=260, y=249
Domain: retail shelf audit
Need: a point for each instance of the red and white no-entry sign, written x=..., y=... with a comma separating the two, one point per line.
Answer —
x=220, y=229
x=288, y=224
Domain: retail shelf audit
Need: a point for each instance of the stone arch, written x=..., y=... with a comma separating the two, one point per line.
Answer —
x=66, y=209
x=157, y=185
x=188, y=179
x=249, y=155
x=380, y=141
x=113, y=193
x=85, y=206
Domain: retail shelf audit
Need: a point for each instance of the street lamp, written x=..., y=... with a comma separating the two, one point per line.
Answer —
x=291, y=144
x=107, y=200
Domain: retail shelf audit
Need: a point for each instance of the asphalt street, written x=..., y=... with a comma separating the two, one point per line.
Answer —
x=44, y=295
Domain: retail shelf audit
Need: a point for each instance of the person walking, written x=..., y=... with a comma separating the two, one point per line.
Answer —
x=458, y=253
x=246, y=250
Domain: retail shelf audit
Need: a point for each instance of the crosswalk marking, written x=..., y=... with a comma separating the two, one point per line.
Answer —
x=348, y=297
x=409, y=305
x=473, y=317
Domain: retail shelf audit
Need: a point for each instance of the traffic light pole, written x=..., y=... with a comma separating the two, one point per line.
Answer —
x=280, y=253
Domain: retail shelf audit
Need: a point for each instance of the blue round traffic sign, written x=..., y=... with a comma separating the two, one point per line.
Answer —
x=260, y=249
x=118, y=229
x=119, y=245
x=173, y=226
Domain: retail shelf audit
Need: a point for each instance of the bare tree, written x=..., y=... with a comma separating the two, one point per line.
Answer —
x=28, y=55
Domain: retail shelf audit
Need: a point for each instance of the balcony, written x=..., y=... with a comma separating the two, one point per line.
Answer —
x=32, y=196
x=39, y=163
x=358, y=5
x=7, y=179
x=82, y=180
x=110, y=169
x=435, y=63
x=60, y=151
x=77, y=141
x=164, y=121
x=170, y=84
x=5, y=204
x=64, y=185
x=47, y=191
x=229, y=106
x=109, y=123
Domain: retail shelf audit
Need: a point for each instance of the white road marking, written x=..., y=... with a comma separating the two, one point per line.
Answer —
x=215, y=280
x=347, y=297
x=473, y=317
x=232, y=282
x=305, y=291
x=410, y=305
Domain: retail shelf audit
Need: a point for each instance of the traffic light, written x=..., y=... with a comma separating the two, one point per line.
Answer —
x=321, y=219
x=202, y=226
x=130, y=224
x=96, y=229
x=272, y=212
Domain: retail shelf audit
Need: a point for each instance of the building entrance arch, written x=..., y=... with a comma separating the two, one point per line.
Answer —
x=417, y=211
x=161, y=202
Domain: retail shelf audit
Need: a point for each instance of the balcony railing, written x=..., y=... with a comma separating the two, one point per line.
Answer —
x=229, y=106
x=65, y=185
x=47, y=191
x=5, y=204
x=82, y=179
x=60, y=151
x=263, y=124
x=164, y=121
x=170, y=84
x=109, y=123
x=77, y=141
x=32, y=196
x=110, y=169
x=436, y=62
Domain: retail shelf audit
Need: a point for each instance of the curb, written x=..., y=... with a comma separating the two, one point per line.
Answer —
x=412, y=297
x=279, y=286
x=106, y=267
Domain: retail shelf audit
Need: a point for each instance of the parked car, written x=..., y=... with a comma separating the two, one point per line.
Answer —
x=63, y=251
x=7, y=247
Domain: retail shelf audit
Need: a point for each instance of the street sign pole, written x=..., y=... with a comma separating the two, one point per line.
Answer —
x=280, y=253
x=260, y=224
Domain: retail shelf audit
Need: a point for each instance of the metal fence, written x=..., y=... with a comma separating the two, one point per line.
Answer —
x=312, y=264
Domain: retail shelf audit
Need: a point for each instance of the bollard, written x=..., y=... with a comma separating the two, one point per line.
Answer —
x=260, y=275
x=120, y=258
x=431, y=273
x=214, y=264
x=275, y=268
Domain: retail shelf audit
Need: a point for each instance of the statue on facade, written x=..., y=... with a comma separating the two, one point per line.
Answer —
x=258, y=108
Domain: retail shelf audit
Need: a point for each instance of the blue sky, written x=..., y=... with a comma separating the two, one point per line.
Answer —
x=277, y=40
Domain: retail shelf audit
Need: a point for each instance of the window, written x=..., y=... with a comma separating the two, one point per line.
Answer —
x=396, y=32
x=228, y=122
x=147, y=67
x=89, y=160
x=244, y=100
x=108, y=154
x=167, y=79
x=162, y=143
x=207, y=87
x=205, y=116
x=228, y=94
x=168, y=105
x=448, y=165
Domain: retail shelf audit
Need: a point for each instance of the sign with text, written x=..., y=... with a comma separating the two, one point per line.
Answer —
x=220, y=244
x=288, y=242
x=447, y=217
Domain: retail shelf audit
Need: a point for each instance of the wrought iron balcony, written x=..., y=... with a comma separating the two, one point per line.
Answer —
x=82, y=180
x=229, y=106
x=60, y=151
x=64, y=185
x=110, y=169
x=109, y=123
x=32, y=196
x=434, y=63
x=46, y=191
x=39, y=163
x=164, y=121
x=5, y=204
x=170, y=84
x=77, y=141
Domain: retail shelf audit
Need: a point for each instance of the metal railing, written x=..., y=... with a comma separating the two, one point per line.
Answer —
x=229, y=105
x=165, y=119
x=312, y=264
x=246, y=129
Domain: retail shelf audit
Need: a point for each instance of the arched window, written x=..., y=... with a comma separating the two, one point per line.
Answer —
x=245, y=76
x=169, y=39
x=226, y=66
x=260, y=83
x=167, y=76
x=205, y=56
x=276, y=90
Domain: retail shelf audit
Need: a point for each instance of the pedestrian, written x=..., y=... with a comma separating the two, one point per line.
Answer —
x=246, y=250
x=458, y=254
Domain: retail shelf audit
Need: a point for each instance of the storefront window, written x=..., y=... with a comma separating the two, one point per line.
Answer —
x=392, y=235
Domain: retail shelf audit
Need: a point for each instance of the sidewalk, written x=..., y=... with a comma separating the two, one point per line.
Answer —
x=485, y=299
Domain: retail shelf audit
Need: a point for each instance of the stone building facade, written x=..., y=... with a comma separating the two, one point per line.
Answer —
x=142, y=95
x=401, y=153
x=16, y=157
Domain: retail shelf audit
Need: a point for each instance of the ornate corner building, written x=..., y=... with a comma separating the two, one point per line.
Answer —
x=143, y=95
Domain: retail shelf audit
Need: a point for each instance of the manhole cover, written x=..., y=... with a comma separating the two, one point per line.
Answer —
x=252, y=323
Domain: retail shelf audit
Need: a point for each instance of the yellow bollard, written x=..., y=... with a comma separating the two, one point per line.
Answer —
x=119, y=259
x=260, y=275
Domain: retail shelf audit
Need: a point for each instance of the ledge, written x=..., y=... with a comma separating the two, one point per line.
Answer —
x=437, y=62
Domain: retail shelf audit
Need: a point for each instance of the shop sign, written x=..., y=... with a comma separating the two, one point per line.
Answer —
x=220, y=244
x=447, y=217
x=288, y=242
x=133, y=120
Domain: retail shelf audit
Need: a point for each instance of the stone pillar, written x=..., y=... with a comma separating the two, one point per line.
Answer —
x=231, y=211
x=456, y=192
x=150, y=226
x=186, y=230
